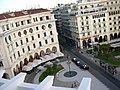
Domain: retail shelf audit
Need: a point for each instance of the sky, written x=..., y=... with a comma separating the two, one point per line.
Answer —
x=15, y=5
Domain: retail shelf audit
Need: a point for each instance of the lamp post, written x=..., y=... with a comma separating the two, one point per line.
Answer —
x=68, y=63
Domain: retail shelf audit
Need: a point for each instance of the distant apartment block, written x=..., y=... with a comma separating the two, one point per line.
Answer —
x=89, y=22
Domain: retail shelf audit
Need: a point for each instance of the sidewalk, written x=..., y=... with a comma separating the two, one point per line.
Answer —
x=97, y=61
x=36, y=78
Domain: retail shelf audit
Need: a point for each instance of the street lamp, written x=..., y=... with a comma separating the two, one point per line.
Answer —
x=68, y=63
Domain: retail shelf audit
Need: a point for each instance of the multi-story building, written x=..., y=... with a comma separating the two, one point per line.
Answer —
x=24, y=36
x=91, y=21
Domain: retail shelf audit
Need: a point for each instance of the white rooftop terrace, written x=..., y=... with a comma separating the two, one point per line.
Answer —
x=17, y=83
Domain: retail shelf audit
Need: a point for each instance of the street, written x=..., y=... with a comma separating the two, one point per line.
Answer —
x=97, y=71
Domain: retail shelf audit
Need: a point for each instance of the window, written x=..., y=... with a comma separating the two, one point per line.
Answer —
x=40, y=43
x=47, y=18
x=21, y=42
x=7, y=27
x=26, y=39
x=94, y=21
x=82, y=28
x=86, y=17
x=43, y=27
x=35, y=19
x=83, y=34
x=52, y=39
x=28, y=48
x=103, y=19
x=114, y=22
x=22, y=22
x=46, y=42
x=37, y=28
x=6, y=40
x=82, y=23
x=17, y=24
x=9, y=37
x=104, y=25
x=16, y=44
x=14, y=35
x=3, y=28
x=51, y=33
x=32, y=37
x=23, y=50
x=31, y=30
x=34, y=46
x=114, y=17
x=87, y=27
x=44, y=34
x=95, y=32
x=14, y=56
x=110, y=23
x=25, y=32
x=38, y=35
x=110, y=28
x=100, y=31
x=88, y=33
x=86, y=22
x=118, y=17
x=49, y=25
x=19, y=34
x=29, y=21
x=11, y=24
x=104, y=30
x=18, y=53
x=41, y=18
x=98, y=20
x=109, y=18
x=115, y=28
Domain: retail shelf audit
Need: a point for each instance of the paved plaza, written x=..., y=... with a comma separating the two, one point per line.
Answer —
x=61, y=80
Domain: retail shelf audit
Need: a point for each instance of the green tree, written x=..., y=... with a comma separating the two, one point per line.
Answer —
x=105, y=48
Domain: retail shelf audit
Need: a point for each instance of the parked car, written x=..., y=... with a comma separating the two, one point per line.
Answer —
x=76, y=61
x=85, y=67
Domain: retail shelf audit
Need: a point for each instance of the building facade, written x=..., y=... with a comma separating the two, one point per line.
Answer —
x=91, y=21
x=24, y=36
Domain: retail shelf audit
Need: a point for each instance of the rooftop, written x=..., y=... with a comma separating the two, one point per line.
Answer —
x=17, y=83
x=21, y=13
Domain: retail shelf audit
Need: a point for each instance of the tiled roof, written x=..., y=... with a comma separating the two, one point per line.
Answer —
x=21, y=13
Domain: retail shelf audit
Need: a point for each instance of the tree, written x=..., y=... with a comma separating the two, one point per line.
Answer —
x=105, y=48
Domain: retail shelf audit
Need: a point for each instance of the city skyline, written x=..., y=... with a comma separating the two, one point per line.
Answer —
x=16, y=5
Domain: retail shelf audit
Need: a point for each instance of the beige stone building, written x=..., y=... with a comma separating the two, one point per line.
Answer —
x=26, y=36
x=90, y=22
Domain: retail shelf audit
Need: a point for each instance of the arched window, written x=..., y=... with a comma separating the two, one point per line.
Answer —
x=6, y=40
x=25, y=32
x=19, y=34
x=49, y=25
x=9, y=37
x=31, y=30
x=43, y=27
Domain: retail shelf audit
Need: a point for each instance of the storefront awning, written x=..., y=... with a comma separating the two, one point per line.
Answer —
x=53, y=55
x=59, y=54
x=115, y=45
x=27, y=68
x=32, y=64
